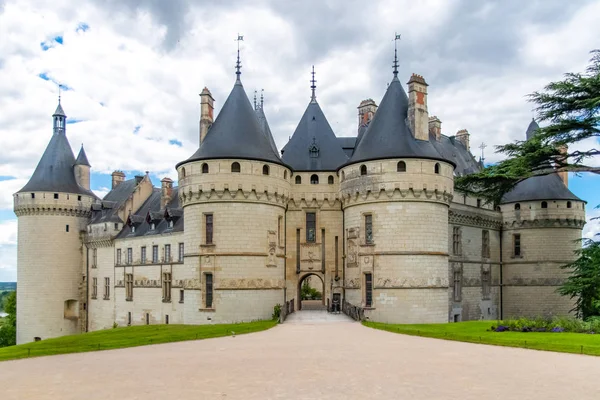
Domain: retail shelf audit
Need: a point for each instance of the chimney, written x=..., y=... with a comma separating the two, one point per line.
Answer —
x=206, y=112
x=366, y=111
x=166, y=191
x=418, y=116
x=117, y=178
x=435, y=127
x=463, y=137
x=564, y=175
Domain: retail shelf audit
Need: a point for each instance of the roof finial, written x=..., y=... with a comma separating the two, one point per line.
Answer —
x=262, y=98
x=313, y=97
x=59, y=87
x=238, y=64
x=255, y=99
x=396, y=38
x=482, y=146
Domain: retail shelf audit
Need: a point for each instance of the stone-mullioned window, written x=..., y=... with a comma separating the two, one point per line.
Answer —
x=208, y=282
x=143, y=255
x=166, y=286
x=311, y=227
x=368, y=290
x=155, y=254
x=457, y=288
x=456, y=241
x=180, y=256
x=106, y=288
x=485, y=284
x=368, y=229
x=94, y=288
x=118, y=256
x=517, y=245
x=167, y=253
x=485, y=244
x=128, y=287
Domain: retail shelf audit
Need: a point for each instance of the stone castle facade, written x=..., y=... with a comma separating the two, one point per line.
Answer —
x=374, y=219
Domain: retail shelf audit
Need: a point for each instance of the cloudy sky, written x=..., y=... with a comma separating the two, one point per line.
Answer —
x=132, y=71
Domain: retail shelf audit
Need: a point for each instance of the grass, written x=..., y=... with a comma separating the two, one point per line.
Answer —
x=128, y=337
x=477, y=332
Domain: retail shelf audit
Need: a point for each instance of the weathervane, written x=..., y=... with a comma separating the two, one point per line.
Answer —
x=59, y=88
x=482, y=146
x=238, y=64
x=313, y=85
x=255, y=99
x=396, y=38
x=262, y=99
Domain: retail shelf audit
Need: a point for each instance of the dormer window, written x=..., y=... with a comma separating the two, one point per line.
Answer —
x=313, y=149
x=171, y=224
x=152, y=226
x=132, y=228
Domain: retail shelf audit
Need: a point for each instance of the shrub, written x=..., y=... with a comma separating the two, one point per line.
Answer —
x=276, y=312
x=554, y=324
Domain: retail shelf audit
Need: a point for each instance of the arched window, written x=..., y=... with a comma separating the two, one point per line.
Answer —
x=436, y=169
x=569, y=204
x=330, y=180
x=265, y=170
x=284, y=174
x=517, y=206
x=343, y=176
x=544, y=204
x=205, y=168
x=235, y=167
x=401, y=166
x=314, y=179
x=363, y=169
x=298, y=180
x=183, y=172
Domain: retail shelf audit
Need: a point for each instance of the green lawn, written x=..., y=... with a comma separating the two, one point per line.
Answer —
x=128, y=337
x=477, y=332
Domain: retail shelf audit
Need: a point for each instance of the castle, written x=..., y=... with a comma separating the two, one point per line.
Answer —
x=374, y=219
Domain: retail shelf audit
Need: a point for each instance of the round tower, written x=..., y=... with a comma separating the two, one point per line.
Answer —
x=234, y=193
x=396, y=190
x=542, y=222
x=52, y=211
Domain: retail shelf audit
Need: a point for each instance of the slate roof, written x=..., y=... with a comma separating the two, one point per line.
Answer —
x=388, y=135
x=533, y=126
x=236, y=133
x=82, y=158
x=151, y=211
x=107, y=209
x=314, y=129
x=59, y=111
x=264, y=125
x=54, y=172
x=347, y=144
x=452, y=149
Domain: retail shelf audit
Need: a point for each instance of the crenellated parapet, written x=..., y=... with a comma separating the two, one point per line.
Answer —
x=59, y=204
x=543, y=214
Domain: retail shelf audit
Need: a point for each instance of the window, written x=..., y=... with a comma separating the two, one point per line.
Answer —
x=343, y=176
x=180, y=256
x=330, y=180
x=456, y=241
x=66, y=228
x=401, y=167
x=314, y=179
x=485, y=244
x=517, y=206
x=78, y=198
x=208, y=222
x=132, y=228
x=33, y=195
x=544, y=204
x=208, y=281
x=517, y=245
x=369, y=290
x=152, y=226
x=105, y=227
x=485, y=284
x=457, y=289
x=129, y=255
x=284, y=174
x=166, y=286
x=94, y=288
x=147, y=319
x=368, y=229
x=478, y=203
x=170, y=224
x=106, y=288
x=205, y=168
x=155, y=254
x=298, y=180
x=183, y=172
x=181, y=295
x=94, y=258
x=143, y=255
x=55, y=196
x=265, y=170
x=166, y=320
x=235, y=167
x=363, y=169
x=279, y=228
x=167, y=253
x=128, y=287
x=116, y=226
x=118, y=256
x=568, y=204
x=311, y=227
x=436, y=168
x=129, y=318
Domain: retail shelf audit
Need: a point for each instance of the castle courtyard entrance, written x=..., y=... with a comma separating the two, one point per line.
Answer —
x=311, y=293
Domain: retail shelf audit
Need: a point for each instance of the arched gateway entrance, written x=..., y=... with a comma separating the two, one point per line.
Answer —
x=311, y=292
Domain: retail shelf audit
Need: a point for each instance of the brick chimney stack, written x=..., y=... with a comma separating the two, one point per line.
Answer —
x=166, y=191
x=418, y=116
x=463, y=137
x=564, y=175
x=206, y=112
x=435, y=127
x=117, y=178
x=366, y=111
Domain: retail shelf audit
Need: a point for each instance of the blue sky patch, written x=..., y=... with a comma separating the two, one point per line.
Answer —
x=73, y=120
x=6, y=178
x=58, y=39
x=44, y=76
x=45, y=46
x=136, y=129
x=82, y=27
x=175, y=142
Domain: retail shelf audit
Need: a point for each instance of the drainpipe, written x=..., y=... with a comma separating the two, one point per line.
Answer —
x=285, y=255
x=501, y=281
x=87, y=288
x=343, y=256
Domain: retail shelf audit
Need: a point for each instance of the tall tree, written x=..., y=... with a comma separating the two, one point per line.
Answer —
x=8, y=331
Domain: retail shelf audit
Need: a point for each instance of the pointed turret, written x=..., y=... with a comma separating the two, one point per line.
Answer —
x=82, y=158
x=533, y=126
x=82, y=169
x=60, y=119
x=313, y=146
x=264, y=125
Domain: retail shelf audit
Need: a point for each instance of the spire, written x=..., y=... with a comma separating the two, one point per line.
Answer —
x=82, y=158
x=313, y=86
x=238, y=64
x=59, y=119
x=533, y=126
x=396, y=38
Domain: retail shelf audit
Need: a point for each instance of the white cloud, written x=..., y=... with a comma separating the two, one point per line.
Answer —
x=592, y=228
x=8, y=250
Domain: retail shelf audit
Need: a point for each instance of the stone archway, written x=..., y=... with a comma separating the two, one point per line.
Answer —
x=311, y=282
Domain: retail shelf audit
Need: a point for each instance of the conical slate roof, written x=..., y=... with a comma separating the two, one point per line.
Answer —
x=54, y=172
x=236, y=133
x=314, y=130
x=264, y=125
x=82, y=158
x=59, y=110
x=533, y=126
x=388, y=135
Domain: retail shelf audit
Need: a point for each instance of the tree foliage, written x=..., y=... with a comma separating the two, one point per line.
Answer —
x=8, y=331
x=571, y=109
x=583, y=284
